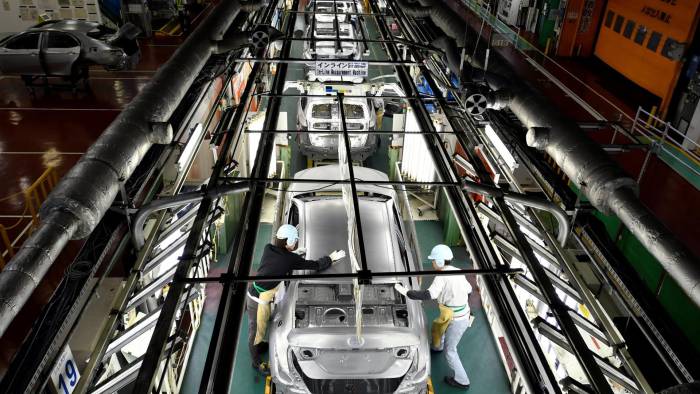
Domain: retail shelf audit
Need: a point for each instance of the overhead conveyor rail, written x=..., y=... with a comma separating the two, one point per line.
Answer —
x=560, y=333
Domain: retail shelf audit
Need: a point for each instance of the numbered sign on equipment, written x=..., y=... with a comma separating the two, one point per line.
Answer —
x=65, y=375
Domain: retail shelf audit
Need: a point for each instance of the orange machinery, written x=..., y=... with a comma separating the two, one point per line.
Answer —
x=646, y=40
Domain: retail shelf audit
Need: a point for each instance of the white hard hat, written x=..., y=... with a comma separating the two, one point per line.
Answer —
x=289, y=232
x=440, y=254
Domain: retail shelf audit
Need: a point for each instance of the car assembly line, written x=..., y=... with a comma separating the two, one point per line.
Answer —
x=348, y=137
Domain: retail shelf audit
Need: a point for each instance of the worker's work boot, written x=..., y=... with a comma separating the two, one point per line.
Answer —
x=452, y=382
x=263, y=368
x=263, y=347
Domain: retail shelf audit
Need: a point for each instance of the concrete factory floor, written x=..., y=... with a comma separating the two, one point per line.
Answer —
x=54, y=128
x=477, y=349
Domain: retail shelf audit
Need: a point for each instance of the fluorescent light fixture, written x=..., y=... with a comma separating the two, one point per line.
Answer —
x=501, y=148
x=256, y=124
x=191, y=147
x=416, y=163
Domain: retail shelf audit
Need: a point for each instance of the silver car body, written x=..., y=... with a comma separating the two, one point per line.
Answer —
x=61, y=47
x=321, y=50
x=311, y=336
x=326, y=10
x=323, y=114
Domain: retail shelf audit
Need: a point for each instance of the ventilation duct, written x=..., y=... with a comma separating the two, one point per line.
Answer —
x=81, y=199
x=602, y=180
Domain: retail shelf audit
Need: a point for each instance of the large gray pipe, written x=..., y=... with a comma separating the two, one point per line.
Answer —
x=602, y=180
x=83, y=196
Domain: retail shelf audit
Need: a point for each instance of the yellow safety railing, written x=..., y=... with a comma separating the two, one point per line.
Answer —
x=33, y=197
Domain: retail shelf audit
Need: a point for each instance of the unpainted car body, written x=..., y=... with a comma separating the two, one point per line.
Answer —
x=67, y=47
x=317, y=114
x=328, y=10
x=318, y=111
x=332, y=49
x=313, y=347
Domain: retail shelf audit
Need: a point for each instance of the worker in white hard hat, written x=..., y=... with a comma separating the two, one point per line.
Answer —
x=452, y=294
x=279, y=259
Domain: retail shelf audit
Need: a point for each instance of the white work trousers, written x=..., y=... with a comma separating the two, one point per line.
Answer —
x=454, y=333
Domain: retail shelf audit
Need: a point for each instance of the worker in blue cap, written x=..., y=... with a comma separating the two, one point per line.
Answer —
x=452, y=294
x=279, y=259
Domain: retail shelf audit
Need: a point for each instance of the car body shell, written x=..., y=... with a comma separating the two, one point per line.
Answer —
x=332, y=49
x=65, y=47
x=314, y=354
x=323, y=113
x=327, y=10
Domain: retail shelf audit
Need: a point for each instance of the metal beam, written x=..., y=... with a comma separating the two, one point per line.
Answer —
x=528, y=356
x=228, y=279
x=220, y=360
x=467, y=140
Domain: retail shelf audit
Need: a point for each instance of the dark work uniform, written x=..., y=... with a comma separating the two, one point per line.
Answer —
x=275, y=262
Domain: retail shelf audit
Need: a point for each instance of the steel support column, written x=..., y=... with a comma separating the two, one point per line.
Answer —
x=218, y=369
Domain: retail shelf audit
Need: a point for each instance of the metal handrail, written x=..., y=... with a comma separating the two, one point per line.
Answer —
x=33, y=197
x=664, y=137
x=642, y=125
x=522, y=45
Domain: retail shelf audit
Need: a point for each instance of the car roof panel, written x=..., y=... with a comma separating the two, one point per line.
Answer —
x=69, y=25
x=326, y=229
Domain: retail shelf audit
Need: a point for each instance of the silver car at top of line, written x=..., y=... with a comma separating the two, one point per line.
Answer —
x=67, y=47
x=330, y=10
x=332, y=49
x=313, y=347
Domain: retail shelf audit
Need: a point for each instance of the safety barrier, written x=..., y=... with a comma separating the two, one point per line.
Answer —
x=671, y=145
x=11, y=237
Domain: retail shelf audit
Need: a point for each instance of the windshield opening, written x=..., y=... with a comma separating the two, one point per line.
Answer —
x=353, y=111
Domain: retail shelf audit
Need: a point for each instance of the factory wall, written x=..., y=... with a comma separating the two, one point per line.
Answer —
x=18, y=15
x=579, y=28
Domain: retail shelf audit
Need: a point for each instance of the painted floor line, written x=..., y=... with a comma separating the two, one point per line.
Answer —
x=41, y=153
x=91, y=78
x=119, y=78
x=123, y=71
x=57, y=109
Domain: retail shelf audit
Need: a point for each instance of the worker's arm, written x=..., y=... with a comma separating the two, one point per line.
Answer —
x=431, y=293
x=422, y=295
x=299, y=263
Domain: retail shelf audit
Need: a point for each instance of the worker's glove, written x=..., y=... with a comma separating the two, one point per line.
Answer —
x=401, y=288
x=300, y=251
x=324, y=263
x=337, y=255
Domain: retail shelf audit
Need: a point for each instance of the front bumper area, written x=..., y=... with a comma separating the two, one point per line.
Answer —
x=315, y=152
